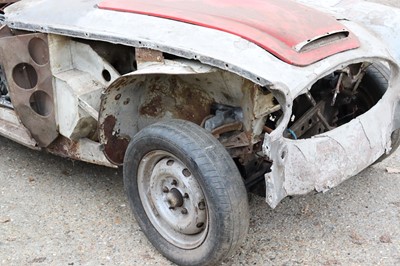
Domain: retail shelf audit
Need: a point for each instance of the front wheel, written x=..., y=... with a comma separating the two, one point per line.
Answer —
x=186, y=193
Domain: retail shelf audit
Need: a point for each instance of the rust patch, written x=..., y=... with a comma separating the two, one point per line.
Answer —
x=126, y=102
x=115, y=145
x=227, y=128
x=64, y=147
x=171, y=96
x=153, y=107
x=144, y=55
x=240, y=139
x=121, y=82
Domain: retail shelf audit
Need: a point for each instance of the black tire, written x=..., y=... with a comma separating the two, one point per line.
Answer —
x=215, y=172
x=377, y=77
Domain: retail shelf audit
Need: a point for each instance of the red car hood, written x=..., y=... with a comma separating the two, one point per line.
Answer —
x=294, y=33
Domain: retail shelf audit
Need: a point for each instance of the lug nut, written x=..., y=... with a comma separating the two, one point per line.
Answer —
x=186, y=172
x=184, y=211
x=201, y=205
x=165, y=190
x=174, y=183
x=186, y=196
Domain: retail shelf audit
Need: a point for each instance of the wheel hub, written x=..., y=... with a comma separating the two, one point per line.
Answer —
x=174, y=198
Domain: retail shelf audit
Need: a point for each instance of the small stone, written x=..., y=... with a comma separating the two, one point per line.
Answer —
x=5, y=220
x=38, y=260
x=332, y=262
x=66, y=173
x=385, y=239
x=397, y=204
x=356, y=238
x=392, y=170
x=306, y=210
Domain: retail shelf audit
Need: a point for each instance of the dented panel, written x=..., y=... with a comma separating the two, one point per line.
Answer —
x=323, y=162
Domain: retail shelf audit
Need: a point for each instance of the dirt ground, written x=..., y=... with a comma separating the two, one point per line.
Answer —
x=59, y=212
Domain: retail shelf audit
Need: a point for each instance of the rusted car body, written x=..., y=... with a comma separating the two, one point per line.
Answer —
x=276, y=82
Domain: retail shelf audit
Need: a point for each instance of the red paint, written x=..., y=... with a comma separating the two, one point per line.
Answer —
x=275, y=25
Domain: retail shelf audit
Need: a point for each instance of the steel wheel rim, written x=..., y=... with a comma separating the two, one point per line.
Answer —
x=173, y=199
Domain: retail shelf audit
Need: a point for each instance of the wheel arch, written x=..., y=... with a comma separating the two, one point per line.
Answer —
x=179, y=89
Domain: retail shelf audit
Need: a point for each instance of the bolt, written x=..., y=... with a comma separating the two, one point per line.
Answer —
x=184, y=211
x=201, y=205
x=165, y=190
x=127, y=101
x=199, y=225
x=186, y=172
x=174, y=183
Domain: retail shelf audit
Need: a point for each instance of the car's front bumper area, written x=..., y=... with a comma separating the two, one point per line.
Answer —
x=326, y=160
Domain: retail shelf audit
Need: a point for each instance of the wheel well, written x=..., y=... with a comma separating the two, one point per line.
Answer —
x=218, y=100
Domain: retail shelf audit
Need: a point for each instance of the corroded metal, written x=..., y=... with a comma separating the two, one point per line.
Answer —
x=83, y=150
x=140, y=99
x=116, y=145
x=144, y=55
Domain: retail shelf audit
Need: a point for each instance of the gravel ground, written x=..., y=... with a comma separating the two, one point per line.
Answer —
x=58, y=212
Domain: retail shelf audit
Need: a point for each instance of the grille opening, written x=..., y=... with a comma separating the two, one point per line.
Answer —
x=335, y=100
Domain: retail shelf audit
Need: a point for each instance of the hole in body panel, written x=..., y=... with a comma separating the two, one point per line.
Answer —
x=25, y=76
x=39, y=51
x=5, y=99
x=336, y=99
x=106, y=75
x=41, y=103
